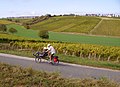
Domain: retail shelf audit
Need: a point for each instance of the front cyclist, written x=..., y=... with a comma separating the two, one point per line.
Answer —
x=51, y=51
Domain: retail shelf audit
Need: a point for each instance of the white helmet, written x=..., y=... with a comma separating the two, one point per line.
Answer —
x=48, y=45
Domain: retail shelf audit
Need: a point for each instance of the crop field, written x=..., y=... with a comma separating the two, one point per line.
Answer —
x=68, y=24
x=108, y=41
x=108, y=28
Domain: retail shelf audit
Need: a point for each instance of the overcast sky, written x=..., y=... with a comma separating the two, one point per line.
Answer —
x=42, y=7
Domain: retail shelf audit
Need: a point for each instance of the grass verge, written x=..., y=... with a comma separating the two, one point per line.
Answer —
x=71, y=59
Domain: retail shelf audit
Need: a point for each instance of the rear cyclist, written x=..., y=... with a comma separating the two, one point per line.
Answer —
x=51, y=52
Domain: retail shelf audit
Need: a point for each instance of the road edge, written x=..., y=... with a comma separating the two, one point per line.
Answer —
x=76, y=65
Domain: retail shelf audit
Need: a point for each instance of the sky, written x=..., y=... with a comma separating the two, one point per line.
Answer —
x=9, y=8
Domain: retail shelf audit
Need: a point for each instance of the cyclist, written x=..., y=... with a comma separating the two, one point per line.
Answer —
x=51, y=51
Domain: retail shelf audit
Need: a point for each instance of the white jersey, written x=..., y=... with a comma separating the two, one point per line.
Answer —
x=51, y=49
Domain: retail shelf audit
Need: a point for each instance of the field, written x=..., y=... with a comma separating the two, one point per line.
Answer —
x=108, y=28
x=68, y=24
x=64, y=37
x=23, y=32
x=78, y=24
x=108, y=41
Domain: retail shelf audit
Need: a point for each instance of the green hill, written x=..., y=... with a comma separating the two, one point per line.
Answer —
x=77, y=24
x=81, y=24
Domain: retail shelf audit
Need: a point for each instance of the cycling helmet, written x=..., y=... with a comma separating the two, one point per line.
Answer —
x=48, y=45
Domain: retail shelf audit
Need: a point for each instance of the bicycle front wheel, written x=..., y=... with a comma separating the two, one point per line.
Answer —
x=38, y=60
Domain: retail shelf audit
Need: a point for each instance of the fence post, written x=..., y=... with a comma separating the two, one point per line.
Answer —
x=99, y=57
x=89, y=56
x=108, y=58
x=117, y=59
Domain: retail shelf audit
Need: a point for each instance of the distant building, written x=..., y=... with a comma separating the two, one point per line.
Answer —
x=103, y=15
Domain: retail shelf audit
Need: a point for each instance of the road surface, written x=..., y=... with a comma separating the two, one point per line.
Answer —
x=66, y=70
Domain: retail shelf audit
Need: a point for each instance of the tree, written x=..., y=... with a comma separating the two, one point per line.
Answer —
x=48, y=15
x=43, y=34
x=12, y=30
x=3, y=27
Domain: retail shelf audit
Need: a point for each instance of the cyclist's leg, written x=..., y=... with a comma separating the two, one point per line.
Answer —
x=51, y=56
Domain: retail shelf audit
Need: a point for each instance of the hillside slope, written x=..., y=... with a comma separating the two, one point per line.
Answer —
x=81, y=24
x=23, y=32
x=108, y=28
x=77, y=24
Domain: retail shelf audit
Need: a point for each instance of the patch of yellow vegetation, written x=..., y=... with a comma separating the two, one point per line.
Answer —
x=5, y=22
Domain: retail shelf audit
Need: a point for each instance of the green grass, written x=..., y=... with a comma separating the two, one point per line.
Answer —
x=108, y=28
x=23, y=32
x=68, y=24
x=15, y=76
x=89, y=62
x=70, y=59
x=74, y=38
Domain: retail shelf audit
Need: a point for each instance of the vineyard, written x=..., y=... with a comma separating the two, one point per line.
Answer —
x=108, y=28
x=96, y=52
x=6, y=38
x=68, y=24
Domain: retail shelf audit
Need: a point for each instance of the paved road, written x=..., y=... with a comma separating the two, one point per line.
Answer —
x=65, y=69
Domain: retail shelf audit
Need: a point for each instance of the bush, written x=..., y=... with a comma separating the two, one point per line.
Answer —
x=12, y=30
x=43, y=34
x=3, y=28
x=26, y=25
